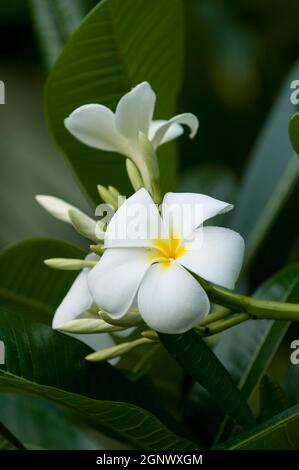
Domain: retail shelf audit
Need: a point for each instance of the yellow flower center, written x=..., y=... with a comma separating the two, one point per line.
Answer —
x=166, y=250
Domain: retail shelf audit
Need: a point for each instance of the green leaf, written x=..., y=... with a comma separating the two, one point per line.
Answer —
x=294, y=132
x=279, y=433
x=37, y=359
x=55, y=21
x=272, y=398
x=200, y=362
x=122, y=421
x=7, y=440
x=27, y=285
x=120, y=44
x=40, y=354
x=248, y=349
x=270, y=176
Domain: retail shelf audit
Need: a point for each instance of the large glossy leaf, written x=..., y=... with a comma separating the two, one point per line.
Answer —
x=271, y=173
x=37, y=359
x=27, y=285
x=7, y=440
x=35, y=352
x=247, y=350
x=120, y=44
x=279, y=433
x=122, y=421
x=200, y=362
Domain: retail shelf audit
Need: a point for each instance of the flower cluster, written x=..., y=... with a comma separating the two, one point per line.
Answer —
x=145, y=265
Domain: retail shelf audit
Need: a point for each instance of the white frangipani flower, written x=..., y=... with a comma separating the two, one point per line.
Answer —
x=97, y=126
x=146, y=261
x=78, y=299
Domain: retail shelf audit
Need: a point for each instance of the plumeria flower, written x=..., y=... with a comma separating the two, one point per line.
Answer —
x=97, y=126
x=147, y=260
x=78, y=300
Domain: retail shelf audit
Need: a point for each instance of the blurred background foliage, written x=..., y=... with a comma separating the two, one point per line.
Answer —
x=238, y=55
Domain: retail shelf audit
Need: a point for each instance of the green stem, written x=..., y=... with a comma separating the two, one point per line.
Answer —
x=221, y=313
x=148, y=166
x=219, y=326
x=255, y=308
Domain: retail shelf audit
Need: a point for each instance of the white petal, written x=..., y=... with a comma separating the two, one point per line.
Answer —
x=136, y=223
x=135, y=111
x=174, y=131
x=114, y=281
x=219, y=259
x=187, y=119
x=94, y=125
x=184, y=212
x=76, y=301
x=170, y=300
x=56, y=207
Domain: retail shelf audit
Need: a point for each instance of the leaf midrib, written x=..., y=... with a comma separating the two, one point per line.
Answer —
x=22, y=300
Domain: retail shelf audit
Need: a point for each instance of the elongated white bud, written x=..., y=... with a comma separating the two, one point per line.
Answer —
x=69, y=264
x=116, y=351
x=134, y=175
x=84, y=224
x=56, y=207
x=88, y=326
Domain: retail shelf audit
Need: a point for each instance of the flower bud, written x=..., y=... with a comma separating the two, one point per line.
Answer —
x=84, y=224
x=116, y=351
x=69, y=264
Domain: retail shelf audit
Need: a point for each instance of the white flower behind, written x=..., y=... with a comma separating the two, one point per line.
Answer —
x=149, y=265
x=97, y=126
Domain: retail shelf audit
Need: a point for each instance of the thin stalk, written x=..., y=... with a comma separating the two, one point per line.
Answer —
x=219, y=315
x=219, y=326
x=255, y=308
